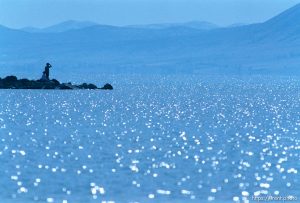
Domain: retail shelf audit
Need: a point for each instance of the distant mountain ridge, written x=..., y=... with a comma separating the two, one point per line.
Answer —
x=273, y=46
x=62, y=27
x=201, y=25
x=286, y=18
x=75, y=25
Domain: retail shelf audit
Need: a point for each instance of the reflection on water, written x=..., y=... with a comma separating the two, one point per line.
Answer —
x=191, y=141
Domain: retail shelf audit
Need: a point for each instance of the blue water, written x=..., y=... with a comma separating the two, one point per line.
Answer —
x=169, y=139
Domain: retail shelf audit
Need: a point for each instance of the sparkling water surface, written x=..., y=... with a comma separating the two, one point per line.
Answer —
x=156, y=139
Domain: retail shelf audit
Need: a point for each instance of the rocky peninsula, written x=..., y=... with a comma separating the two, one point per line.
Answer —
x=12, y=82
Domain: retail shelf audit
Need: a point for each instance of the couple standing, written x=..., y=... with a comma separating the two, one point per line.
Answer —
x=46, y=72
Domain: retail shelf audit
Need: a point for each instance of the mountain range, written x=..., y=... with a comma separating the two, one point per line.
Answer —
x=75, y=25
x=194, y=47
x=61, y=27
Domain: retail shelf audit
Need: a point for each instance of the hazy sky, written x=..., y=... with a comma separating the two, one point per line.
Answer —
x=41, y=13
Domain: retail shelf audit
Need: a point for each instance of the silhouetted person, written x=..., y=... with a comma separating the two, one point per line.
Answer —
x=44, y=77
x=47, y=68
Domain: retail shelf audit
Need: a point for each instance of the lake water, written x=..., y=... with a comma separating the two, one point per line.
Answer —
x=156, y=139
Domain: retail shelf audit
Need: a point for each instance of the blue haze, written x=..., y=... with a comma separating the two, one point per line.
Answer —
x=174, y=129
x=271, y=47
x=23, y=13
